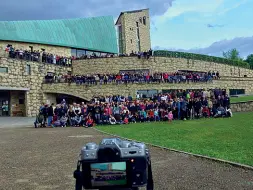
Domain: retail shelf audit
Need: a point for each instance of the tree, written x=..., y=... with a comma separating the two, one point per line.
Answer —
x=232, y=54
x=250, y=60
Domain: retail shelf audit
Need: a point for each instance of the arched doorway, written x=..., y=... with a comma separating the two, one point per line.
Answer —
x=69, y=99
x=57, y=98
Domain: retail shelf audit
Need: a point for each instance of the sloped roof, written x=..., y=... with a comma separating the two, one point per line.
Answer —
x=133, y=11
x=96, y=33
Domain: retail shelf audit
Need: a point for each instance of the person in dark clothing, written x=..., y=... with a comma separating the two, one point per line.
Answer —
x=197, y=108
x=50, y=115
x=97, y=113
x=183, y=107
x=44, y=112
x=190, y=109
x=226, y=102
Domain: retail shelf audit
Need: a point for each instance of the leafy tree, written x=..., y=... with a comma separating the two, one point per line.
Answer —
x=250, y=60
x=232, y=54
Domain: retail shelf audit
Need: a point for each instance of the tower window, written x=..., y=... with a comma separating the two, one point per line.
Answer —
x=131, y=41
x=144, y=20
x=137, y=24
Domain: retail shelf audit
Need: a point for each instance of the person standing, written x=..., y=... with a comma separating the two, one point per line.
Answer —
x=45, y=115
x=50, y=115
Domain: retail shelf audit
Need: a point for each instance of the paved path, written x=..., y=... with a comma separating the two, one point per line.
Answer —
x=38, y=159
x=10, y=122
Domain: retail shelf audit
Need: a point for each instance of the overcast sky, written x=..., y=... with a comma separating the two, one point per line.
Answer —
x=176, y=24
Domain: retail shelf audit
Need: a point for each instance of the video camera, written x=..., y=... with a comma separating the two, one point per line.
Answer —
x=114, y=164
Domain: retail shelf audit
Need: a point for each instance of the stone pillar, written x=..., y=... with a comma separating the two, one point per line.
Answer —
x=33, y=101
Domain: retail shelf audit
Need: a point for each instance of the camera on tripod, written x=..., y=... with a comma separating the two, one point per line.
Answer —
x=114, y=164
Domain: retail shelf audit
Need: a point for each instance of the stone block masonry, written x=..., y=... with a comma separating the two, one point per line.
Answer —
x=155, y=64
x=27, y=75
x=242, y=106
x=87, y=92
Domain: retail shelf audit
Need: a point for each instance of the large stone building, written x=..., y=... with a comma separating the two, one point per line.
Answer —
x=22, y=87
x=133, y=29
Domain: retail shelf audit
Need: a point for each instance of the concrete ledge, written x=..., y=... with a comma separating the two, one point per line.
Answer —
x=13, y=88
x=250, y=101
x=183, y=152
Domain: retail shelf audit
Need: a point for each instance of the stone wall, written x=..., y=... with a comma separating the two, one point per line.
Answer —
x=87, y=92
x=242, y=106
x=18, y=76
x=61, y=51
x=155, y=64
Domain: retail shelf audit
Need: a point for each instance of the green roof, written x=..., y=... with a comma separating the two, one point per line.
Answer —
x=96, y=33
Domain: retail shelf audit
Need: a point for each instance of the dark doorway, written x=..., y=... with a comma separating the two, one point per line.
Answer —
x=4, y=103
x=69, y=99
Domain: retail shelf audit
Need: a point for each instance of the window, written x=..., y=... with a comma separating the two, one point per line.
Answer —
x=28, y=69
x=73, y=52
x=3, y=69
x=144, y=20
x=137, y=24
x=140, y=19
x=131, y=41
x=80, y=53
x=233, y=92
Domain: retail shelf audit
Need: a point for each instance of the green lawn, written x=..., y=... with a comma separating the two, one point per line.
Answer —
x=229, y=138
x=241, y=99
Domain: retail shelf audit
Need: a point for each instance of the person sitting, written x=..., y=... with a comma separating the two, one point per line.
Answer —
x=151, y=116
x=60, y=122
x=156, y=115
x=89, y=122
x=221, y=112
x=229, y=112
x=63, y=121
x=125, y=120
x=77, y=120
x=131, y=118
x=39, y=120
x=105, y=119
x=112, y=120
x=170, y=116
x=143, y=116
x=205, y=112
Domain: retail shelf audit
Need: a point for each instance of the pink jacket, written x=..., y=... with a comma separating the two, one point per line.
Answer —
x=170, y=116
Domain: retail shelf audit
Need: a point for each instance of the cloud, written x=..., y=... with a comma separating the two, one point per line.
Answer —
x=234, y=6
x=243, y=44
x=186, y=6
x=62, y=9
x=215, y=25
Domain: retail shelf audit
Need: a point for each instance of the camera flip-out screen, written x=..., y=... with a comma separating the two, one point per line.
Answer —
x=108, y=174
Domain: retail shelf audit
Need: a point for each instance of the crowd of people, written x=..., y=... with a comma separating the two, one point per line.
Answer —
x=111, y=110
x=145, y=54
x=38, y=56
x=42, y=56
x=136, y=77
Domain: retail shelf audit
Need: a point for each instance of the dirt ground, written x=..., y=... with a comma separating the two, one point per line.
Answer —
x=36, y=159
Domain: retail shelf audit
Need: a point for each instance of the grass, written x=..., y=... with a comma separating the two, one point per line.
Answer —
x=241, y=99
x=226, y=138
